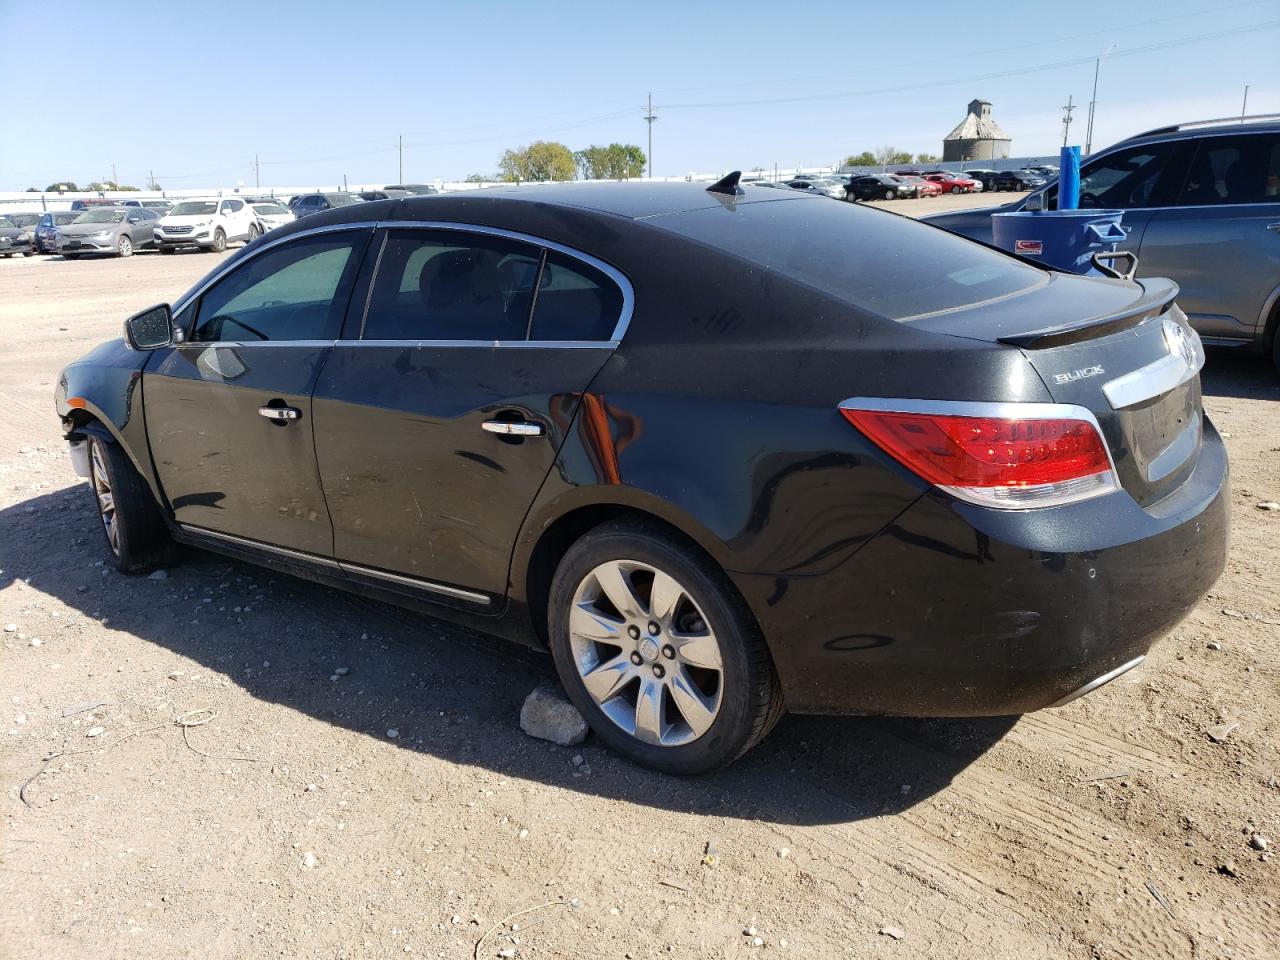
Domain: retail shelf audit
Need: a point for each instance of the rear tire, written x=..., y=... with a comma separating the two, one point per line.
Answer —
x=253, y=234
x=889, y=194
x=713, y=687
x=137, y=538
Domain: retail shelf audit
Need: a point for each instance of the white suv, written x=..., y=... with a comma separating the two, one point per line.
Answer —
x=207, y=223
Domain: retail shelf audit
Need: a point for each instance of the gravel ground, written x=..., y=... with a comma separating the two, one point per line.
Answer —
x=293, y=824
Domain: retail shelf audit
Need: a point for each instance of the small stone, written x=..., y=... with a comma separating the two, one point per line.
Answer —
x=392, y=733
x=1214, y=645
x=95, y=731
x=893, y=932
x=342, y=671
x=783, y=944
x=522, y=834
x=158, y=575
x=1220, y=733
x=1258, y=842
x=311, y=788
x=309, y=860
x=757, y=942
x=10, y=628
x=177, y=675
x=547, y=715
x=1269, y=505
x=784, y=853
x=577, y=760
x=613, y=911
x=36, y=642
x=507, y=952
x=455, y=919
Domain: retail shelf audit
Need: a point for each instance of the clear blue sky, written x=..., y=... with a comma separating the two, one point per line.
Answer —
x=192, y=91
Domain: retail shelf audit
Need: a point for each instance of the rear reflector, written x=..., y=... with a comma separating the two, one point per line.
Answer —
x=1014, y=456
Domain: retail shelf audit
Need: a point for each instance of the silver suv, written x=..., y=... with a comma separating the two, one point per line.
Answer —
x=1201, y=205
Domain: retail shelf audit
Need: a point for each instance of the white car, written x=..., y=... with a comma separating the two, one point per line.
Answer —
x=271, y=215
x=207, y=223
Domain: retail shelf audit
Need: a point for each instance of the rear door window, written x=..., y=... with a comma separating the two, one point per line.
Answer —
x=1233, y=170
x=575, y=302
x=451, y=285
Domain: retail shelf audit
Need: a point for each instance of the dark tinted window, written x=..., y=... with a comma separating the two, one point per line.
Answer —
x=575, y=302
x=1125, y=180
x=297, y=291
x=449, y=285
x=1228, y=170
x=885, y=264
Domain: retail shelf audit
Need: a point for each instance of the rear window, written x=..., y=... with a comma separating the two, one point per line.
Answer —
x=880, y=262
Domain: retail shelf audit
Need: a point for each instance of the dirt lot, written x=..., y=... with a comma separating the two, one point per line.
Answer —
x=1112, y=828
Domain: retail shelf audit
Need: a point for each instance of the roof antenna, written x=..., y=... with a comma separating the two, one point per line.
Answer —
x=728, y=185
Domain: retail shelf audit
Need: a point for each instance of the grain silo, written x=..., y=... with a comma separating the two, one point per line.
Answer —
x=977, y=137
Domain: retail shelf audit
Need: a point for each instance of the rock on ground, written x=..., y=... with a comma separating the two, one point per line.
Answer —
x=547, y=715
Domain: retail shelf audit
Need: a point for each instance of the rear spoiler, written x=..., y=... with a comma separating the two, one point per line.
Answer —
x=1157, y=297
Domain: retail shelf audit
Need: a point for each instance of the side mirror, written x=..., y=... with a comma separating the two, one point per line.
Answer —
x=1034, y=203
x=151, y=329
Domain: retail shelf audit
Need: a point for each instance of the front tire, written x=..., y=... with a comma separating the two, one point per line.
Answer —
x=658, y=652
x=164, y=248
x=131, y=522
x=124, y=247
x=219, y=241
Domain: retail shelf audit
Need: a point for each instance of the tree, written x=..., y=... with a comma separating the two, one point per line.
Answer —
x=480, y=177
x=864, y=159
x=617, y=161
x=927, y=158
x=887, y=156
x=110, y=185
x=541, y=160
x=62, y=186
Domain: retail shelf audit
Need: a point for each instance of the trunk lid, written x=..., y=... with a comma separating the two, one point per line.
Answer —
x=1123, y=351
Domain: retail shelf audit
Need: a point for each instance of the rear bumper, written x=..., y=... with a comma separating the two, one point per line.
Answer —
x=958, y=610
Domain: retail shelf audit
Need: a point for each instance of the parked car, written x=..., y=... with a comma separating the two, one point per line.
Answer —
x=271, y=215
x=306, y=204
x=819, y=187
x=1018, y=180
x=924, y=188
x=209, y=224
x=875, y=186
x=1201, y=206
x=92, y=202
x=118, y=231
x=161, y=207
x=391, y=194
x=983, y=176
x=417, y=189
x=446, y=440
x=46, y=236
x=951, y=182
x=15, y=238
x=1046, y=170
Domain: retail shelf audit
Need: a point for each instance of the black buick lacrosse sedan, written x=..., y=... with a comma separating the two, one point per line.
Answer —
x=724, y=452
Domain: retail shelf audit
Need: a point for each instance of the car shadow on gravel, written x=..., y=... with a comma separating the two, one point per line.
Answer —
x=1239, y=373
x=451, y=692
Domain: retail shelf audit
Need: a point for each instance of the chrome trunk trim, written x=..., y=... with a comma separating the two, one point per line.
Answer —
x=1097, y=682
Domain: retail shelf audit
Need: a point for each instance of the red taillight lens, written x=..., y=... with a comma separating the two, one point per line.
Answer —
x=995, y=460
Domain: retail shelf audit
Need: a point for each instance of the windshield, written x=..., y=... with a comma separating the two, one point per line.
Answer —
x=23, y=219
x=341, y=199
x=194, y=208
x=5, y=221
x=269, y=209
x=62, y=219
x=884, y=263
x=101, y=215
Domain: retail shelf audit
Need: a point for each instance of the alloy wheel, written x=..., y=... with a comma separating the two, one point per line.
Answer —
x=106, y=497
x=645, y=653
x=126, y=247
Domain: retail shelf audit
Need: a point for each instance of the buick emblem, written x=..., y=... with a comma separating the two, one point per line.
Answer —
x=1179, y=343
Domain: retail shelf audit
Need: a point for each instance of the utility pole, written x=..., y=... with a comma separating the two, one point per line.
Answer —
x=649, y=117
x=1066, y=120
x=401, y=180
x=257, y=178
x=1244, y=106
x=1097, y=65
x=114, y=182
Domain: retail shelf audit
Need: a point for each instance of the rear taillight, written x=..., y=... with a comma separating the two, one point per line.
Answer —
x=1010, y=455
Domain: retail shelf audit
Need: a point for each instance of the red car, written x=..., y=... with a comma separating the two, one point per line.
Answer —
x=951, y=183
x=923, y=187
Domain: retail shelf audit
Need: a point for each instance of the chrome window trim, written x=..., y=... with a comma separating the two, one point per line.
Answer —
x=614, y=274
x=487, y=344
x=1002, y=410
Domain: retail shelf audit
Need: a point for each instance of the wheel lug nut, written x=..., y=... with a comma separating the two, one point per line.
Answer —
x=669, y=652
x=658, y=670
x=653, y=628
x=637, y=659
x=634, y=632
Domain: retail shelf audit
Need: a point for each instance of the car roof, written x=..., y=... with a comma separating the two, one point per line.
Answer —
x=1261, y=123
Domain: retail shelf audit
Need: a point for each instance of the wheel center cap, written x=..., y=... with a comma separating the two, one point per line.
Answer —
x=649, y=649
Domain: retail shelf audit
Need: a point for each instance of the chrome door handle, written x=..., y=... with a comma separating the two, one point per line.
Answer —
x=520, y=428
x=280, y=414
x=1274, y=226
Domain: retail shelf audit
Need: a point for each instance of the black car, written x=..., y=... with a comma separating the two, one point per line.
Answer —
x=1018, y=180
x=724, y=452
x=416, y=189
x=985, y=177
x=877, y=186
x=16, y=237
x=391, y=193
x=308, y=203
